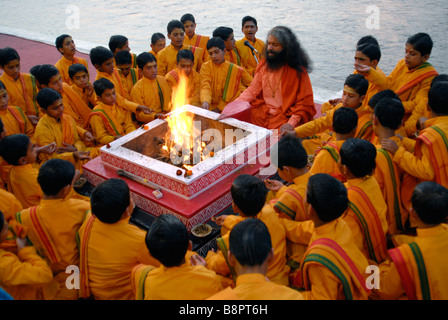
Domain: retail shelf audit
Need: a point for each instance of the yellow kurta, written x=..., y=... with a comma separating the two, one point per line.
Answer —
x=15, y=121
x=22, y=182
x=22, y=93
x=234, y=57
x=9, y=206
x=247, y=58
x=167, y=58
x=129, y=81
x=90, y=101
x=113, y=250
x=220, y=84
x=327, y=159
x=74, y=105
x=63, y=64
x=194, y=85
x=200, y=42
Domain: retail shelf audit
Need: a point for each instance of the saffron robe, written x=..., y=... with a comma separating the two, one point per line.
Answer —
x=292, y=103
x=22, y=93
x=199, y=42
x=15, y=121
x=167, y=58
x=247, y=58
x=63, y=64
x=89, y=100
x=129, y=81
x=234, y=57
x=193, y=87
x=74, y=105
x=220, y=84
x=326, y=160
x=417, y=269
x=9, y=206
x=22, y=182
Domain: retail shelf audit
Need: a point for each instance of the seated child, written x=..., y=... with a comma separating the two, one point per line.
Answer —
x=52, y=225
x=367, y=214
x=250, y=251
x=21, y=87
x=108, y=121
x=248, y=201
x=108, y=242
x=167, y=240
x=128, y=75
x=345, y=122
x=24, y=274
x=119, y=43
x=185, y=62
x=333, y=268
x=416, y=268
x=191, y=37
x=158, y=42
x=221, y=81
x=79, y=75
x=66, y=46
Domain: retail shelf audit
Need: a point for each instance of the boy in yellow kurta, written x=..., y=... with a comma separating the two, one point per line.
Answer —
x=226, y=34
x=21, y=87
x=158, y=42
x=128, y=75
x=249, y=58
x=185, y=62
x=107, y=120
x=79, y=75
x=333, y=268
x=22, y=275
x=66, y=46
x=167, y=240
x=249, y=196
x=167, y=57
x=415, y=269
x=152, y=90
x=110, y=246
x=52, y=225
x=119, y=43
x=221, y=81
x=250, y=251
x=191, y=37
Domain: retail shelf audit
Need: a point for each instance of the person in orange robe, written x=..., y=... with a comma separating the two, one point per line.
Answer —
x=53, y=224
x=191, y=37
x=232, y=55
x=185, y=62
x=415, y=269
x=367, y=214
x=128, y=75
x=248, y=202
x=345, y=122
x=119, y=43
x=110, y=246
x=66, y=46
x=249, y=58
x=280, y=95
x=411, y=77
x=79, y=75
x=23, y=274
x=221, y=81
x=250, y=251
x=167, y=57
x=21, y=87
x=333, y=268
x=167, y=240
x=388, y=116
x=158, y=42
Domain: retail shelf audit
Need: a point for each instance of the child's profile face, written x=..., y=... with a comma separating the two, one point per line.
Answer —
x=68, y=47
x=31, y=154
x=108, y=97
x=250, y=29
x=56, y=83
x=12, y=69
x=4, y=99
x=56, y=109
x=150, y=70
x=159, y=45
x=362, y=59
x=230, y=42
x=125, y=69
x=177, y=37
x=413, y=58
x=216, y=55
x=350, y=98
x=124, y=48
x=81, y=79
x=185, y=65
x=190, y=27
x=108, y=66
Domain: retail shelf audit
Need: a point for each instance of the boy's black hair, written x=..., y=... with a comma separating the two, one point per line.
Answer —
x=117, y=42
x=144, y=58
x=173, y=24
x=421, y=42
x=46, y=97
x=123, y=57
x=110, y=199
x=381, y=95
x=102, y=84
x=99, y=55
x=430, y=202
x=438, y=97
x=390, y=113
x=248, y=18
x=14, y=147
x=439, y=78
x=359, y=156
x=2, y=86
x=323, y=189
x=358, y=83
x=290, y=152
x=185, y=54
x=54, y=175
x=157, y=36
x=187, y=17
x=369, y=39
x=43, y=73
x=222, y=32
x=248, y=194
x=75, y=68
x=60, y=41
x=250, y=242
x=8, y=54
x=167, y=240
x=370, y=50
x=345, y=120
x=216, y=42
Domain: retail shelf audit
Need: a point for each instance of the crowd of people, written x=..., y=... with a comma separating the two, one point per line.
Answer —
x=361, y=187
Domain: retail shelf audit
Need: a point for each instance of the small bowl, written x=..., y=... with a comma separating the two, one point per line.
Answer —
x=201, y=230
